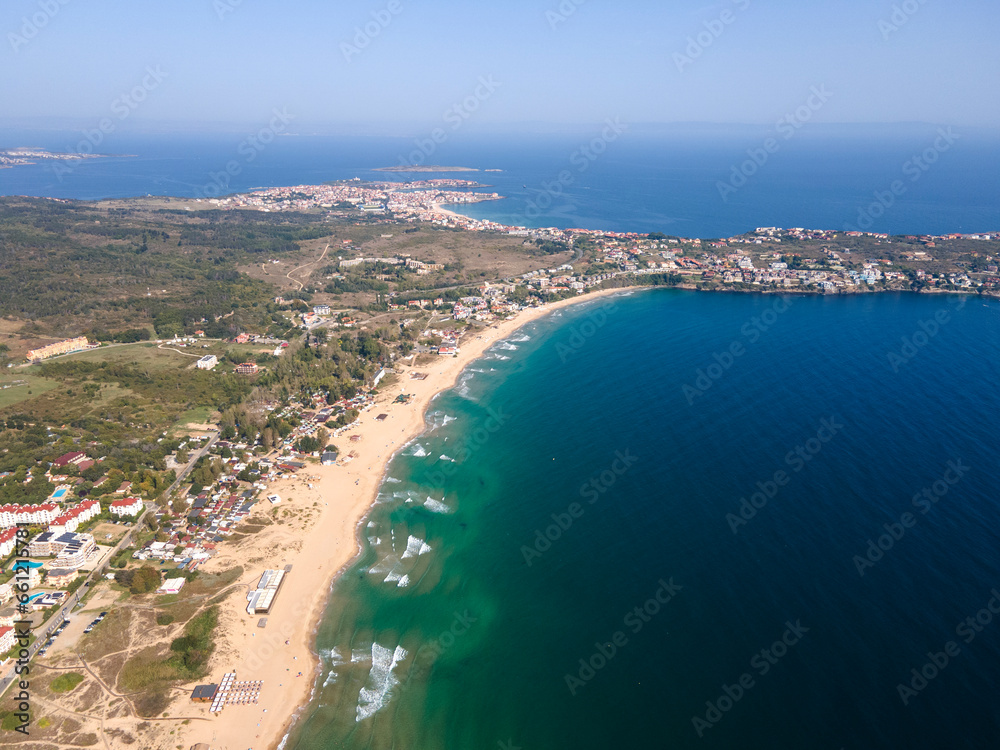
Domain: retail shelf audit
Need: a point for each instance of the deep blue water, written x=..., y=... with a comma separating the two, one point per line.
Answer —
x=588, y=419
x=636, y=180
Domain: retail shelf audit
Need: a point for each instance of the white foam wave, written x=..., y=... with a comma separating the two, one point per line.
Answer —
x=436, y=506
x=381, y=680
x=415, y=546
x=418, y=450
x=334, y=658
x=444, y=457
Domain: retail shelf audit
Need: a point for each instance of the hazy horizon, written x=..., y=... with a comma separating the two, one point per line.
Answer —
x=544, y=64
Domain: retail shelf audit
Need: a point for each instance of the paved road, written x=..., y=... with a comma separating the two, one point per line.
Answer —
x=66, y=609
x=72, y=600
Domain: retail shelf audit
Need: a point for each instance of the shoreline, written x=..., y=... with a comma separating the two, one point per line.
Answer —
x=326, y=548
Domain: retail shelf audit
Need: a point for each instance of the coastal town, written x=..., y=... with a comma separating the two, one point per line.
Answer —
x=766, y=258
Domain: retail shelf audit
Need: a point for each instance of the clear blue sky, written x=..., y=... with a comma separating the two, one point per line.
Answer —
x=233, y=61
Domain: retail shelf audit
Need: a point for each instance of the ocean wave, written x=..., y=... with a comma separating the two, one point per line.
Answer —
x=417, y=450
x=392, y=480
x=438, y=419
x=444, y=457
x=415, y=546
x=389, y=567
x=334, y=659
x=506, y=346
x=381, y=680
x=520, y=339
x=403, y=582
x=395, y=576
x=331, y=656
x=436, y=506
x=360, y=655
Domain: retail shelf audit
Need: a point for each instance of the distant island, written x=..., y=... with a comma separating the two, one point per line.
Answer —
x=425, y=168
x=15, y=157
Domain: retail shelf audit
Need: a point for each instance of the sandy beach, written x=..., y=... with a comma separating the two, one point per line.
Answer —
x=316, y=532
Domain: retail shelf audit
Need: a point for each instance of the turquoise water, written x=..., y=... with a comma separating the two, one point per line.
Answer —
x=655, y=522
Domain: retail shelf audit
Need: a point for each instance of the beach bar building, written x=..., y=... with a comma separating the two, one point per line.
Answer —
x=261, y=599
x=204, y=693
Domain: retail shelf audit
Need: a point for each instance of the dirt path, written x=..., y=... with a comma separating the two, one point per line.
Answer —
x=310, y=263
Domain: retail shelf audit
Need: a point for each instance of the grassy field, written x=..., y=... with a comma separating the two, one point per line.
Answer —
x=145, y=354
x=33, y=385
x=65, y=682
x=199, y=415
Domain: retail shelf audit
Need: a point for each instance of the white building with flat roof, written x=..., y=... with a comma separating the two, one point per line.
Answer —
x=207, y=362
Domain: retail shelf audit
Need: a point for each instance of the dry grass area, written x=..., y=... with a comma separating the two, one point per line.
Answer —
x=127, y=698
x=108, y=533
x=479, y=256
x=9, y=330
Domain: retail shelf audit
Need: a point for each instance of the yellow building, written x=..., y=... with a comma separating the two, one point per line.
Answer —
x=60, y=347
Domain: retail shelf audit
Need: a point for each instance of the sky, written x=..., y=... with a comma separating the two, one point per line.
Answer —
x=399, y=66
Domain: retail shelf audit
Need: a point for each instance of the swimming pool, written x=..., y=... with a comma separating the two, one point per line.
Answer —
x=59, y=494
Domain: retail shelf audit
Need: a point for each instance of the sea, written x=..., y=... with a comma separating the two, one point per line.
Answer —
x=689, y=181
x=666, y=518
x=676, y=519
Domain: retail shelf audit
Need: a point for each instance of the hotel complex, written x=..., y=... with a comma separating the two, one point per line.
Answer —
x=60, y=347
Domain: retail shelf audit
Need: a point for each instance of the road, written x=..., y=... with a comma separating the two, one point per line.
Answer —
x=66, y=609
x=310, y=263
x=72, y=600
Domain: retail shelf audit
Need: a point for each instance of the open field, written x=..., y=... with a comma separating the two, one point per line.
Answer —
x=471, y=257
x=145, y=355
x=195, y=418
x=22, y=386
x=108, y=533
